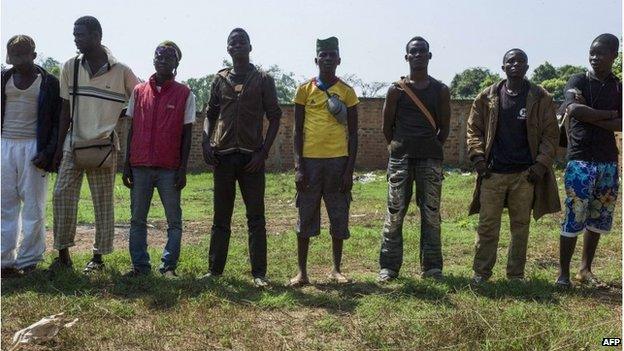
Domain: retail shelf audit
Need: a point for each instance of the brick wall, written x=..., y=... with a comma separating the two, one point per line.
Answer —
x=372, y=152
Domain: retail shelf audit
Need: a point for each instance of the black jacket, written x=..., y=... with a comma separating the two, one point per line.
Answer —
x=48, y=112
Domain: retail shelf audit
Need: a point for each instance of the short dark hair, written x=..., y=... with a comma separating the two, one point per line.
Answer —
x=241, y=31
x=92, y=24
x=515, y=49
x=416, y=39
x=610, y=40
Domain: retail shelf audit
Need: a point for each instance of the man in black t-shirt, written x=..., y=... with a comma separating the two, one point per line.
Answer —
x=593, y=103
x=415, y=137
x=512, y=138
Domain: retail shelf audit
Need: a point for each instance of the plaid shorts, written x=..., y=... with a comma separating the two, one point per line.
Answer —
x=591, y=189
x=323, y=177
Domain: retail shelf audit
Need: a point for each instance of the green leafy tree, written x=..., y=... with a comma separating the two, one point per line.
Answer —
x=554, y=79
x=468, y=84
x=201, y=89
x=555, y=86
x=51, y=65
x=543, y=72
x=367, y=89
x=285, y=84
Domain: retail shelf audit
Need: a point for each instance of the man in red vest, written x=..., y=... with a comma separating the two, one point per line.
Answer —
x=159, y=142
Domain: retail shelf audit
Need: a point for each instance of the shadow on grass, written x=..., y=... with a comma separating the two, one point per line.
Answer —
x=159, y=293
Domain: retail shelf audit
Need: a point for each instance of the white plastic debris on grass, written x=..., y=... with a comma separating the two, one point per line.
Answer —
x=42, y=331
x=366, y=178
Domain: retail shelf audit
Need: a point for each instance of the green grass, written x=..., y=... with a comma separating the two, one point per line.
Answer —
x=153, y=313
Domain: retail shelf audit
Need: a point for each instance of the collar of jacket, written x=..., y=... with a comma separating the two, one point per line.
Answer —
x=250, y=74
x=166, y=84
x=111, y=59
x=9, y=72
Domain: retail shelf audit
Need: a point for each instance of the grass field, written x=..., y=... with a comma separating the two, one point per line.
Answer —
x=154, y=313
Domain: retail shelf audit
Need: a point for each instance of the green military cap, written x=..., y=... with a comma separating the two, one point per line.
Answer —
x=330, y=43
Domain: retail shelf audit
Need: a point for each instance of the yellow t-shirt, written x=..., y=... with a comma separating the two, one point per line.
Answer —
x=323, y=136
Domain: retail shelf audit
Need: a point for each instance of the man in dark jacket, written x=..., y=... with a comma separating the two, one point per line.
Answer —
x=512, y=136
x=30, y=115
x=240, y=98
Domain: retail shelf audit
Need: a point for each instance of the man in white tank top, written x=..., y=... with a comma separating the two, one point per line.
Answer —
x=30, y=105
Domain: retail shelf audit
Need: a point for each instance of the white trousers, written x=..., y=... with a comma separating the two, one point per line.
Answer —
x=24, y=190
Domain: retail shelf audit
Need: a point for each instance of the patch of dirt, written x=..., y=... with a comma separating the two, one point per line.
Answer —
x=192, y=233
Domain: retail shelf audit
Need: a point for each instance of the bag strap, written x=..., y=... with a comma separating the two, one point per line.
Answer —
x=74, y=90
x=418, y=103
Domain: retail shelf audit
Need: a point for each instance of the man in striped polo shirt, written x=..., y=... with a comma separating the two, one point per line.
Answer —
x=103, y=88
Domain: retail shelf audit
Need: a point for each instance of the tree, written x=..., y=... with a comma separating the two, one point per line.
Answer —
x=367, y=90
x=543, y=72
x=285, y=84
x=617, y=66
x=51, y=65
x=467, y=84
x=201, y=89
x=554, y=79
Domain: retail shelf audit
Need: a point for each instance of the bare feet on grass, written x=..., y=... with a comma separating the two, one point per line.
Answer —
x=299, y=280
x=338, y=277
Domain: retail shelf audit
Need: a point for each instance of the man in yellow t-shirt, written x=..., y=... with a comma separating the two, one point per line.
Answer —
x=325, y=151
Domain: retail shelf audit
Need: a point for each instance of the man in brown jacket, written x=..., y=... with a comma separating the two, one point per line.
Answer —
x=512, y=137
x=240, y=98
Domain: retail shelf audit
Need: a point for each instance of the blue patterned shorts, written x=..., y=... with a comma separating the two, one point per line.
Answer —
x=591, y=192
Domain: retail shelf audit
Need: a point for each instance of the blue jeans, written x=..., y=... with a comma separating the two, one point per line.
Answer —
x=402, y=174
x=145, y=179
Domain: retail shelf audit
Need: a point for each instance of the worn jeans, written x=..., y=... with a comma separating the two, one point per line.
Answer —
x=226, y=173
x=519, y=194
x=145, y=179
x=402, y=173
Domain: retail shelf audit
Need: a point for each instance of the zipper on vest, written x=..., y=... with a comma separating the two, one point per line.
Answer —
x=152, y=132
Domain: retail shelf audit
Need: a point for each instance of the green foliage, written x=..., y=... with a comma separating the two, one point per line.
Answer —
x=51, y=65
x=555, y=86
x=617, y=66
x=201, y=89
x=555, y=79
x=285, y=84
x=543, y=72
x=467, y=84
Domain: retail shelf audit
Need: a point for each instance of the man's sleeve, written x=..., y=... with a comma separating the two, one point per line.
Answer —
x=575, y=82
x=300, y=96
x=64, y=80
x=130, y=81
x=269, y=99
x=547, y=148
x=214, y=104
x=475, y=131
x=351, y=99
x=189, y=109
x=130, y=108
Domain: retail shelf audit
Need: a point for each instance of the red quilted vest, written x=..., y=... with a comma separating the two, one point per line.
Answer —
x=157, y=124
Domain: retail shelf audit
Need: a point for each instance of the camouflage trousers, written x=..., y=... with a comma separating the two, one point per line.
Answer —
x=402, y=174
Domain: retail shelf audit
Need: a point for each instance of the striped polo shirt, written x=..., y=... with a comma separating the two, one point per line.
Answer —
x=100, y=96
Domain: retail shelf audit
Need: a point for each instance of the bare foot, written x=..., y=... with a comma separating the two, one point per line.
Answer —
x=338, y=277
x=588, y=278
x=299, y=280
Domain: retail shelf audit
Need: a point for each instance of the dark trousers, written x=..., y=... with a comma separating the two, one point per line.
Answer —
x=226, y=173
x=402, y=174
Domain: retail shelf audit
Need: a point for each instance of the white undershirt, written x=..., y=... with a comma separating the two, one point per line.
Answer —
x=20, y=114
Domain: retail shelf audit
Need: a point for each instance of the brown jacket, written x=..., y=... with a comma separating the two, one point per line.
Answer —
x=239, y=115
x=542, y=132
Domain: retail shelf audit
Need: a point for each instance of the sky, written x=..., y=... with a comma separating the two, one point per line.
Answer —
x=372, y=34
